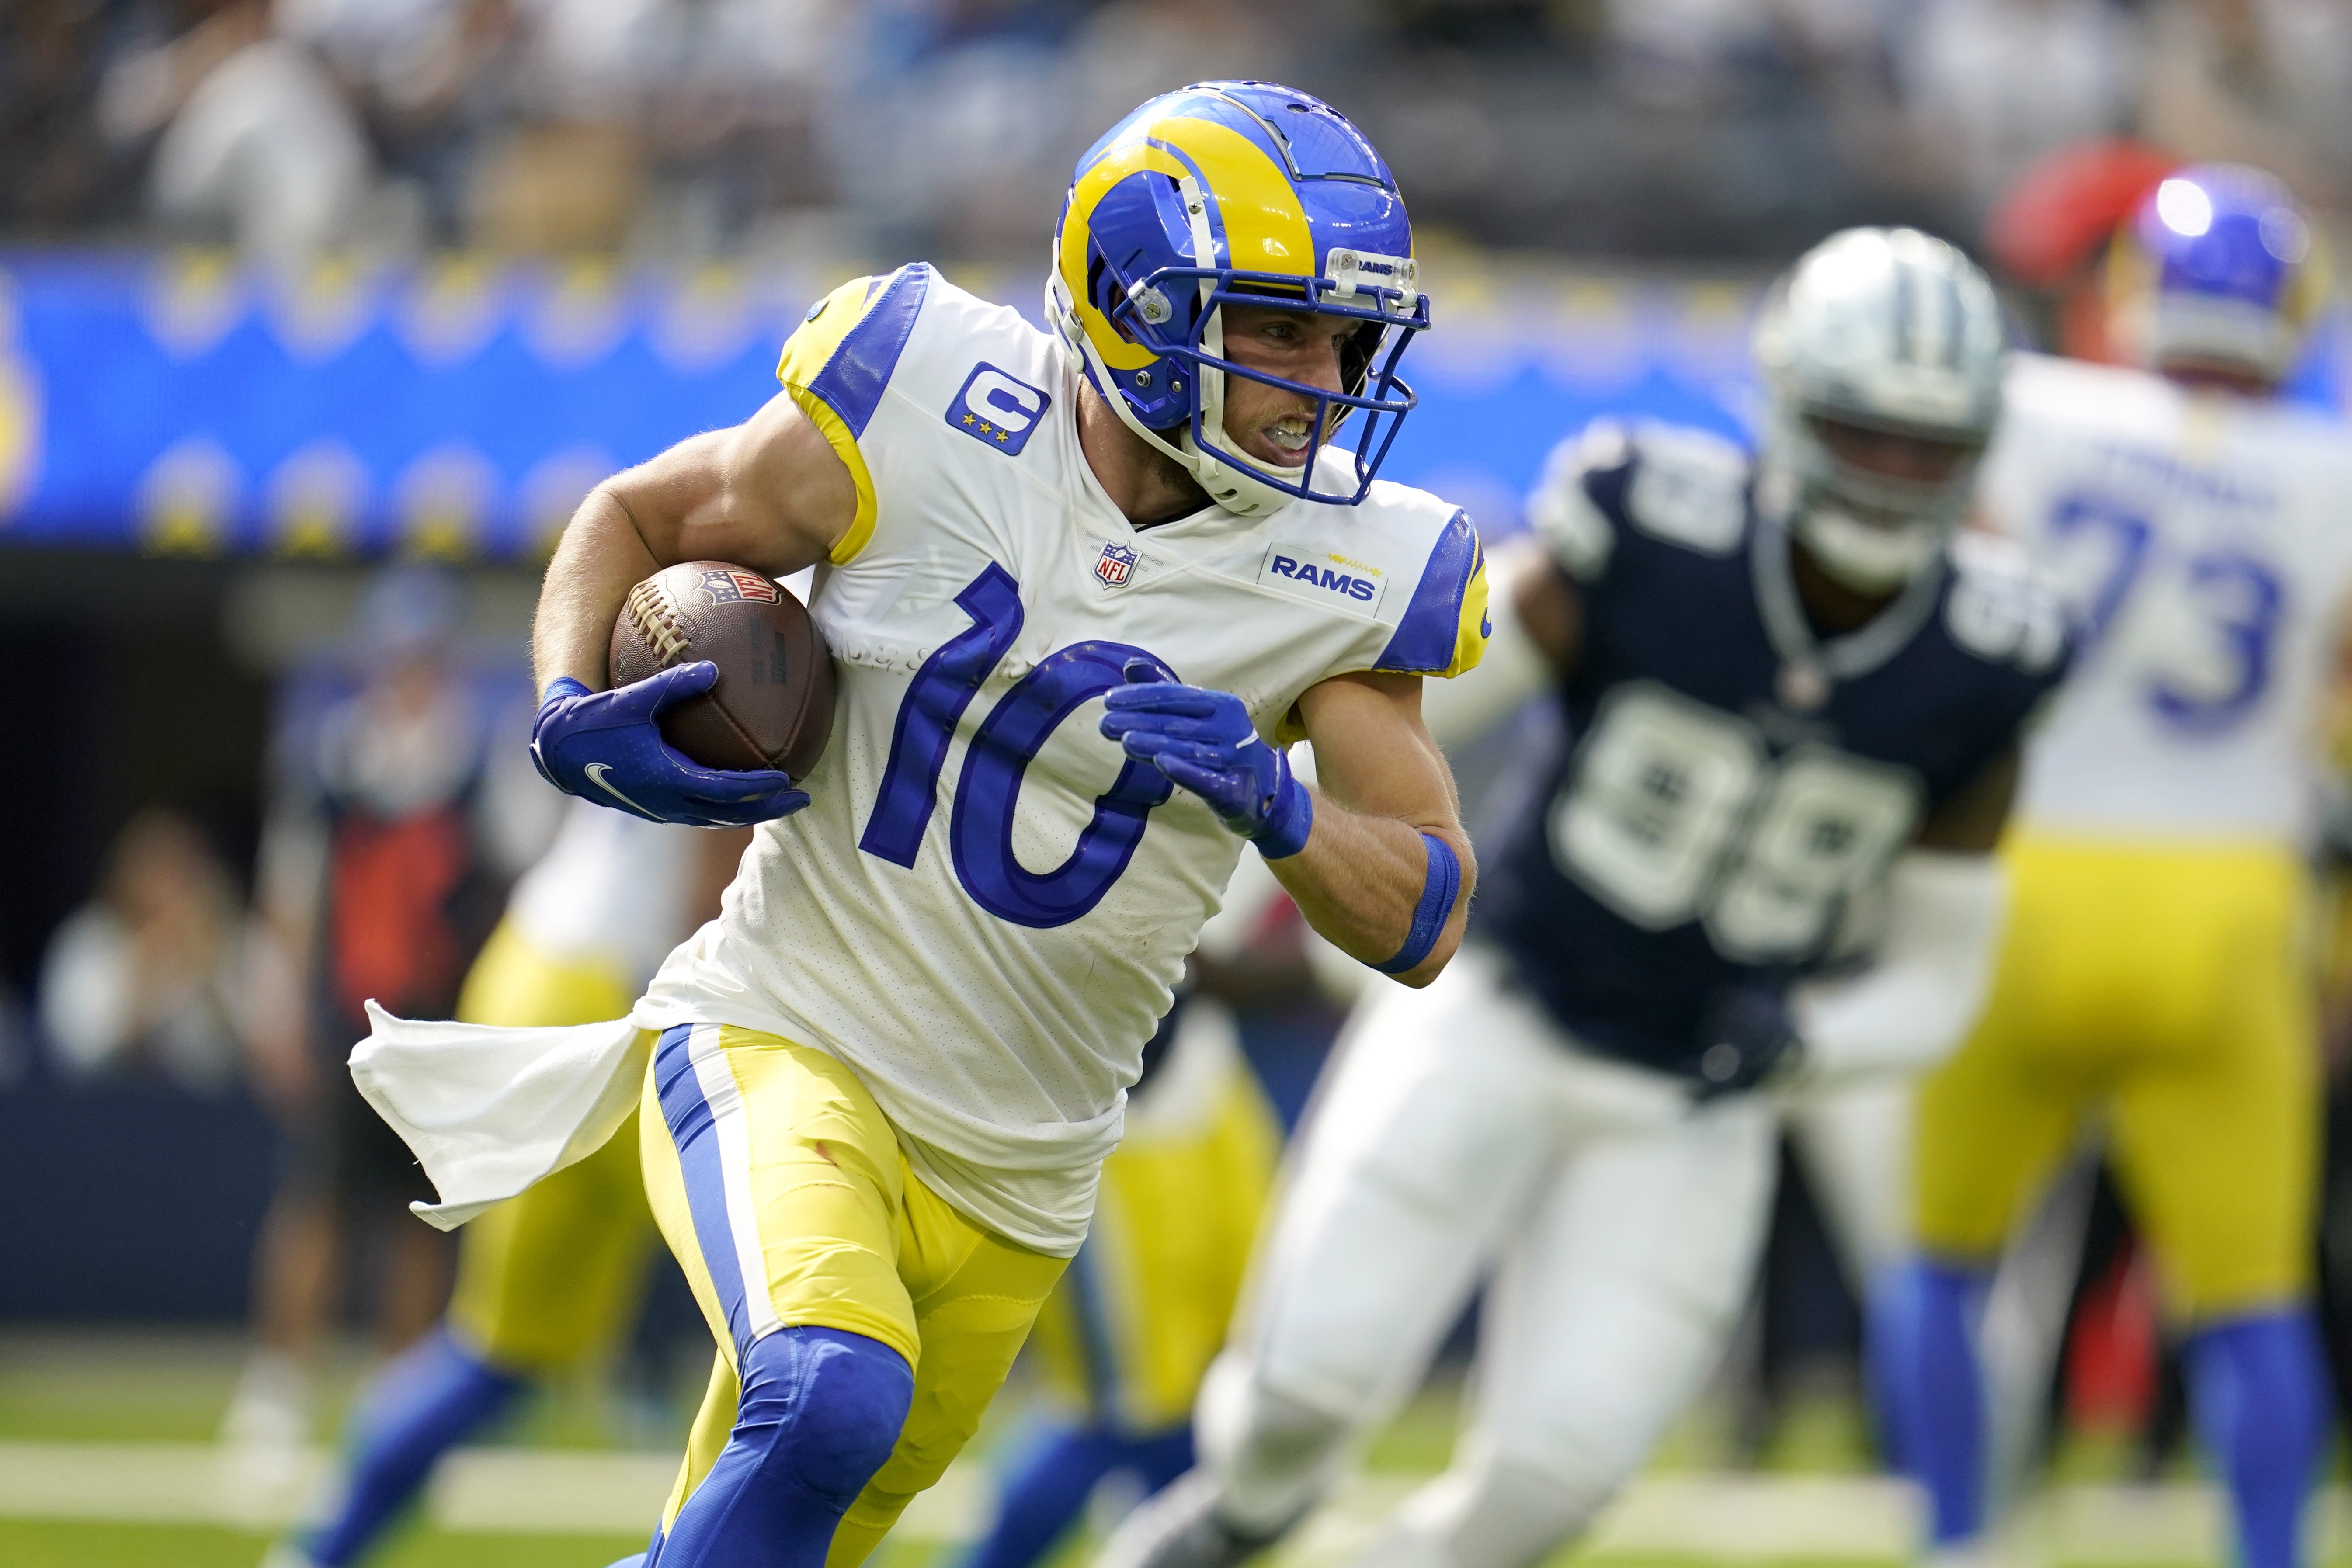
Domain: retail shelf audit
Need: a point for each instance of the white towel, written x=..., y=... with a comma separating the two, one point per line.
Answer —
x=490, y=1111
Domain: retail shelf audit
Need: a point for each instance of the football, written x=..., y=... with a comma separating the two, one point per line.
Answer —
x=772, y=704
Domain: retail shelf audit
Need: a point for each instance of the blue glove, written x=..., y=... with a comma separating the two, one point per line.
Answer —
x=606, y=747
x=1745, y=1041
x=1204, y=740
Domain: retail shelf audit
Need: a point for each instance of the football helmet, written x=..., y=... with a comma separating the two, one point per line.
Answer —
x=2218, y=271
x=1894, y=331
x=1237, y=191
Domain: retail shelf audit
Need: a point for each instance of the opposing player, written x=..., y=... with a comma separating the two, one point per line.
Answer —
x=547, y=1282
x=1793, y=705
x=2154, y=974
x=883, y=1082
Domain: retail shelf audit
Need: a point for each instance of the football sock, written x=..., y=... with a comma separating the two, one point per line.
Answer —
x=1924, y=1318
x=820, y=1411
x=424, y=1403
x=2256, y=1387
x=1059, y=1471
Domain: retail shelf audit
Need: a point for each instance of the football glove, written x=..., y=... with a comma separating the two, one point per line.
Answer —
x=1745, y=1040
x=607, y=747
x=1205, y=741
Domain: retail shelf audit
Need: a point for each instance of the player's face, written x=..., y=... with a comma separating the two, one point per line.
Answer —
x=1891, y=455
x=1270, y=424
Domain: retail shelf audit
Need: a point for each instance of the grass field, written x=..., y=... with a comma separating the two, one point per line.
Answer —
x=107, y=1461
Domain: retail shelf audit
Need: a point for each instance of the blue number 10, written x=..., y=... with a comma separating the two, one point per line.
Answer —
x=980, y=829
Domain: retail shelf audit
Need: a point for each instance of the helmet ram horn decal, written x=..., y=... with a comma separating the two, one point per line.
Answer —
x=1237, y=192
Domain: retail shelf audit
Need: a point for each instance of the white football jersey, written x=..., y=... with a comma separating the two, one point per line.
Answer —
x=609, y=894
x=2204, y=544
x=986, y=906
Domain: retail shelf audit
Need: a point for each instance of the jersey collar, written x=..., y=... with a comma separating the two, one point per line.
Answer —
x=1841, y=658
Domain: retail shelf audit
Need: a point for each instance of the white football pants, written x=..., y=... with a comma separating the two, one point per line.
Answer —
x=1460, y=1136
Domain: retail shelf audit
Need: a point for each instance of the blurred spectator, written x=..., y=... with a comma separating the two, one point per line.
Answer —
x=254, y=139
x=1997, y=83
x=397, y=826
x=2266, y=83
x=62, y=176
x=143, y=979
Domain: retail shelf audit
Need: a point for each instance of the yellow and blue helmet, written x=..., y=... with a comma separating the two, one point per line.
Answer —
x=2218, y=271
x=1246, y=192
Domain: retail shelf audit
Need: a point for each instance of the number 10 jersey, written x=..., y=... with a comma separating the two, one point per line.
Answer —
x=984, y=907
x=1727, y=791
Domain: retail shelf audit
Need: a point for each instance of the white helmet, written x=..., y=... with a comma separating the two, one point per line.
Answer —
x=1897, y=331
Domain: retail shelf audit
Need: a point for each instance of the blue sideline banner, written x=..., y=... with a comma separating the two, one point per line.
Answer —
x=178, y=405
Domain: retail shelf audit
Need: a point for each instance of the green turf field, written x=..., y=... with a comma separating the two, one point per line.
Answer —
x=107, y=1461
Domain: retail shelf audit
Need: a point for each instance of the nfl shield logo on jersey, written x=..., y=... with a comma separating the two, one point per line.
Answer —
x=1117, y=565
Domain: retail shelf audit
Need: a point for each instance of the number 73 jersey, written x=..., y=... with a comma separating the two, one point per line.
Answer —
x=1727, y=791
x=2204, y=546
x=984, y=907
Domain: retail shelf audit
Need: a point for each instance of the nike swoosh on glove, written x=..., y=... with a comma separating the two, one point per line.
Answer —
x=1205, y=741
x=607, y=747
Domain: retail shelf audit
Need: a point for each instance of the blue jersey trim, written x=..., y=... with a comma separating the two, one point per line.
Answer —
x=1425, y=638
x=851, y=382
x=694, y=1132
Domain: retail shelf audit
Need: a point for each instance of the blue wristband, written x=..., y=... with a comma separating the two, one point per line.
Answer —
x=1288, y=821
x=1442, y=885
x=562, y=686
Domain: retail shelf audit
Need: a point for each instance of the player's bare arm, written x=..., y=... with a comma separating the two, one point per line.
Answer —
x=1544, y=600
x=768, y=493
x=1382, y=784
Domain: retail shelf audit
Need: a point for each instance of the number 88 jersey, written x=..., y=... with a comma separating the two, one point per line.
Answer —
x=1726, y=792
x=2204, y=545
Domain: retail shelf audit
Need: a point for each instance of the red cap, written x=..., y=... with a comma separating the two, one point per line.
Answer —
x=2059, y=212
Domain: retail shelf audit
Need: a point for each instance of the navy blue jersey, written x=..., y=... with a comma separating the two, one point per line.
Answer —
x=1727, y=790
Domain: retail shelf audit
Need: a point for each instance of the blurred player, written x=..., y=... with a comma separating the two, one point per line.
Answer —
x=2154, y=973
x=1792, y=712
x=1143, y=1307
x=548, y=1281
x=396, y=827
x=884, y=1079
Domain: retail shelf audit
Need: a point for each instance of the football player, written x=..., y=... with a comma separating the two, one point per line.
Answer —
x=1792, y=703
x=2154, y=976
x=547, y=1282
x=1142, y=1310
x=881, y=1085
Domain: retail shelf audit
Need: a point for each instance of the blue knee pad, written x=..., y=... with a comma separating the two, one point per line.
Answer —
x=820, y=1410
x=2257, y=1386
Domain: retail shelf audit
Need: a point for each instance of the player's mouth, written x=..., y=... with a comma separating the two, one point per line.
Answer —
x=1288, y=438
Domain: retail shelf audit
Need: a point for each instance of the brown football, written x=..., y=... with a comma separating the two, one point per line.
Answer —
x=772, y=704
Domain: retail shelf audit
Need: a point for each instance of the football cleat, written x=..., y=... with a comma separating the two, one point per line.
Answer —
x=2218, y=271
x=1894, y=331
x=1226, y=191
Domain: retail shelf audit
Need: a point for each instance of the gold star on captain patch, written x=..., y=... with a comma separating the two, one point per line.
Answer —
x=967, y=419
x=1000, y=436
x=985, y=427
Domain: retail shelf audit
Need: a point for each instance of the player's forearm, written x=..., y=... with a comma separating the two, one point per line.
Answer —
x=602, y=555
x=1380, y=890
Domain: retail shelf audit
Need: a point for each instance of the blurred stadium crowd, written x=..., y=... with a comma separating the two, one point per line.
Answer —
x=1682, y=128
